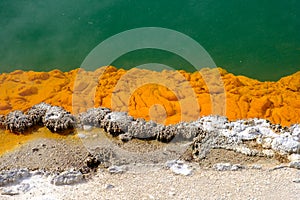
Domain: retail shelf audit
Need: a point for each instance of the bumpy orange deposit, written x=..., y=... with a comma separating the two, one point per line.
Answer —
x=167, y=97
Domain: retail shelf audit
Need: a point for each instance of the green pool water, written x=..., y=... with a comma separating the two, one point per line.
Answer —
x=256, y=38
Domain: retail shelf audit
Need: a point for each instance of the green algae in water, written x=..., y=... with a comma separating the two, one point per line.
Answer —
x=259, y=39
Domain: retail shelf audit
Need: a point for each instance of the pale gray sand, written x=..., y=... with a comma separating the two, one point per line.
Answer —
x=160, y=183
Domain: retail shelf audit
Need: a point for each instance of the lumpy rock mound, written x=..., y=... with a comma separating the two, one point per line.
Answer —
x=136, y=91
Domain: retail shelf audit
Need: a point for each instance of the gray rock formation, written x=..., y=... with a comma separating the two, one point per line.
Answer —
x=17, y=122
x=205, y=133
x=37, y=112
x=144, y=130
x=56, y=119
x=294, y=161
x=67, y=178
x=116, y=169
x=167, y=133
x=93, y=117
x=227, y=167
x=179, y=167
x=117, y=123
x=188, y=131
x=13, y=176
x=237, y=135
x=206, y=141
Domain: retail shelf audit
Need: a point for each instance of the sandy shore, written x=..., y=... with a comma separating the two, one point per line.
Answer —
x=258, y=177
x=160, y=183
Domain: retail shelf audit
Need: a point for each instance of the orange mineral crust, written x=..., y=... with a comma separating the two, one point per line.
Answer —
x=166, y=97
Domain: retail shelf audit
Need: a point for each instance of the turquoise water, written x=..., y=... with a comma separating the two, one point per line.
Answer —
x=257, y=38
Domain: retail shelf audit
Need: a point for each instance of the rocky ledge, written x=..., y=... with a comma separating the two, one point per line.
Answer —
x=252, y=137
